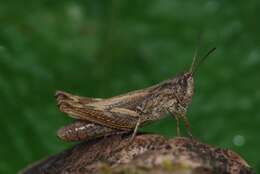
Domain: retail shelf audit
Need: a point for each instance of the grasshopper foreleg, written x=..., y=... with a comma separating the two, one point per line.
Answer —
x=177, y=123
x=187, y=125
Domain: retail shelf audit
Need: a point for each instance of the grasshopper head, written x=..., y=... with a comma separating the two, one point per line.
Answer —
x=185, y=91
x=190, y=84
x=175, y=94
x=186, y=81
x=180, y=92
x=185, y=86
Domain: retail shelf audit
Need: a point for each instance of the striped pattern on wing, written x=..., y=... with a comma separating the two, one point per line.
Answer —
x=107, y=112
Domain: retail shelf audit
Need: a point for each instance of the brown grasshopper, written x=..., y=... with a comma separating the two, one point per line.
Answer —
x=125, y=113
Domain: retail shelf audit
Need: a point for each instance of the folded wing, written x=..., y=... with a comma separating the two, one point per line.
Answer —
x=117, y=112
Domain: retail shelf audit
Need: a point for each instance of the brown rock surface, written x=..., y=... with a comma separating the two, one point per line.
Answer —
x=148, y=153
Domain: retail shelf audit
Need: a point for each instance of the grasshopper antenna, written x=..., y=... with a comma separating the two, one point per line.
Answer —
x=195, y=61
x=196, y=64
x=195, y=56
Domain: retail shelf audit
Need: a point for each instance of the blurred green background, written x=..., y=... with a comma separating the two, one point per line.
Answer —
x=104, y=48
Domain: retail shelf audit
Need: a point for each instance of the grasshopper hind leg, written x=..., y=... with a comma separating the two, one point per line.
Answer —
x=135, y=130
x=125, y=145
x=83, y=130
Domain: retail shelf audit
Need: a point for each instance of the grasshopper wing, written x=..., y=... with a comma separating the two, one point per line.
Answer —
x=117, y=112
x=62, y=96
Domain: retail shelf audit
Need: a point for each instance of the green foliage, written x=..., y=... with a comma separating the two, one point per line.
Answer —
x=103, y=48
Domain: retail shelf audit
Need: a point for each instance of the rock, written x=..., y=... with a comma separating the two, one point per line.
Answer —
x=148, y=153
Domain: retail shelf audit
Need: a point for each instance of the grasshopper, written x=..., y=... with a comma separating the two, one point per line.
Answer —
x=97, y=117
